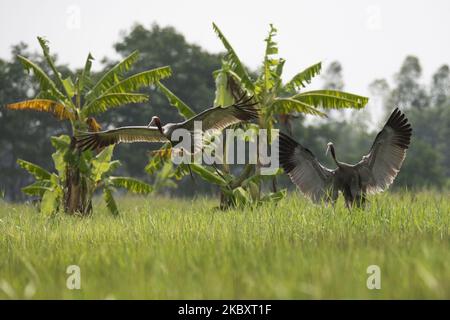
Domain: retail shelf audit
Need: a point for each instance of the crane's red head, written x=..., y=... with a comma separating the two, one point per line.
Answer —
x=156, y=122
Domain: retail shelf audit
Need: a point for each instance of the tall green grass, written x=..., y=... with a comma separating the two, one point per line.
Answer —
x=182, y=249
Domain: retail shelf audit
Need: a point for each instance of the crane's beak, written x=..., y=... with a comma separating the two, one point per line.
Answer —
x=158, y=124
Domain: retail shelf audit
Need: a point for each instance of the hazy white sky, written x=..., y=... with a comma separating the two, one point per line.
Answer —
x=370, y=38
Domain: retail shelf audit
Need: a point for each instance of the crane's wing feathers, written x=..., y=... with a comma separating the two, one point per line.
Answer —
x=93, y=140
x=379, y=168
x=313, y=179
x=218, y=118
x=213, y=119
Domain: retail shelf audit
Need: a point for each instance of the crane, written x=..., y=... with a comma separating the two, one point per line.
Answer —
x=373, y=174
x=213, y=120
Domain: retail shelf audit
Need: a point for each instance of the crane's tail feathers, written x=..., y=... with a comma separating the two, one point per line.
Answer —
x=399, y=123
x=287, y=147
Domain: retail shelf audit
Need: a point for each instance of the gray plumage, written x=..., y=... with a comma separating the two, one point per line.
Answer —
x=374, y=173
x=213, y=120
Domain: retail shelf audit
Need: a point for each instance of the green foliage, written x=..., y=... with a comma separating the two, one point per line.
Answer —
x=289, y=105
x=111, y=100
x=47, y=85
x=141, y=80
x=35, y=170
x=331, y=99
x=209, y=175
x=234, y=61
x=131, y=184
x=111, y=76
x=80, y=174
x=301, y=79
x=85, y=80
x=183, y=109
x=38, y=188
x=97, y=170
x=110, y=202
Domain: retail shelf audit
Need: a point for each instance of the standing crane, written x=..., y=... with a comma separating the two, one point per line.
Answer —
x=374, y=173
x=213, y=120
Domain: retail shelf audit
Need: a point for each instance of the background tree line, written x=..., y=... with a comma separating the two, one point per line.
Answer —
x=25, y=135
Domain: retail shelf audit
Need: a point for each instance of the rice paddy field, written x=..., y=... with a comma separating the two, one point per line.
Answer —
x=162, y=248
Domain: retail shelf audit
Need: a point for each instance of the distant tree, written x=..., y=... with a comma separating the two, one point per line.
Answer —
x=333, y=78
x=440, y=86
x=426, y=159
x=380, y=91
x=409, y=93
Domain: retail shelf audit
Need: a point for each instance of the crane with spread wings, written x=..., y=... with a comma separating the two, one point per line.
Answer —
x=213, y=120
x=374, y=173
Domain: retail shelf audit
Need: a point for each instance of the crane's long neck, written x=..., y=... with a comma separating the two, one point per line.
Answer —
x=333, y=154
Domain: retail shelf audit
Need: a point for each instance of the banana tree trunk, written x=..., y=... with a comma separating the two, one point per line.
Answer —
x=77, y=198
x=226, y=201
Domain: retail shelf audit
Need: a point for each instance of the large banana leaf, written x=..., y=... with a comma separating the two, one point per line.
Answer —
x=37, y=171
x=141, y=80
x=131, y=184
x=236, y=63
x=37, y=188
x=51, y=198
x=44, y=80
x=223, y=96
x=101, y=163
x=46, y=50
x=111, y=76
x=269, y=63
x=183, y=109
x=110, y=202
x=84, y=79
x=301, y=79
x=112, y=100
x=49, y=203
x=208, y=175
x=61, y=142
x=331, y=99
x=288, y=105
x=44, y=105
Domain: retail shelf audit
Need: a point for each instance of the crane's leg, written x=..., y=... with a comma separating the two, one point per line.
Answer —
x=349, y=199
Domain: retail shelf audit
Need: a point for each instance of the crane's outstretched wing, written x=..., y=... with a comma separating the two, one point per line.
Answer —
x=94, y=140
x=313, y=179
x=379, y=168
x=218, y=118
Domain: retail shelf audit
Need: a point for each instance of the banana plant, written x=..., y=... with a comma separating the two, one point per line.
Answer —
x=277, y=100
x=96, y=168
x=77, y=100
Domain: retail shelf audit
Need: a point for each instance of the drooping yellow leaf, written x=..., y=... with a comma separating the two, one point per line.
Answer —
x=44, y=105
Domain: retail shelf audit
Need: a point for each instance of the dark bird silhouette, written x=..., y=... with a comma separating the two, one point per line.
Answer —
x=374, y=173
x=213, y=120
